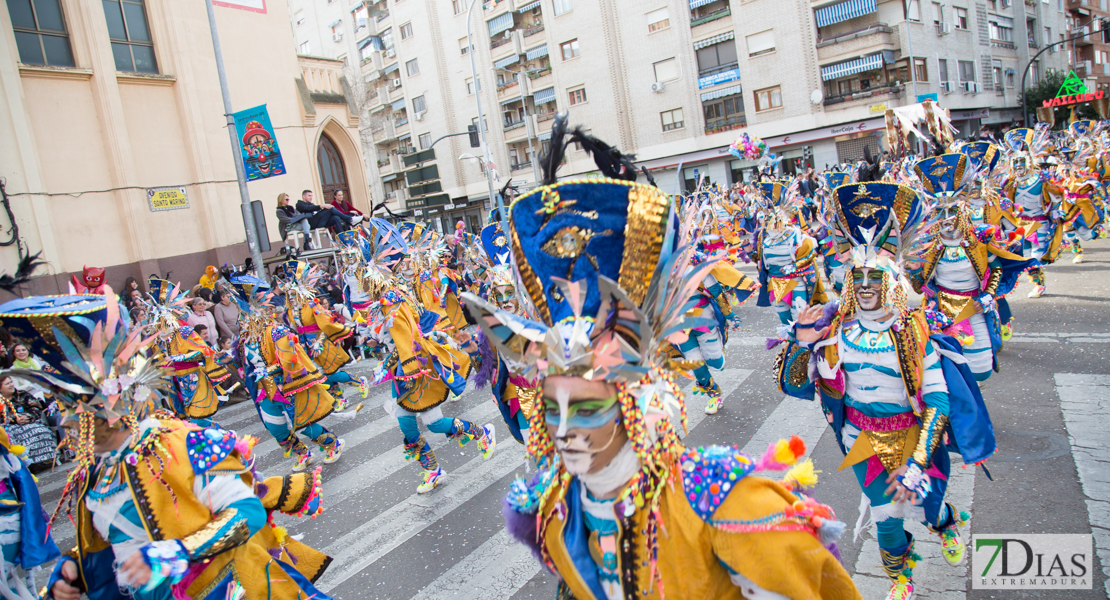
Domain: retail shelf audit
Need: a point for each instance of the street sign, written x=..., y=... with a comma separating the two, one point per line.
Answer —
x=167, y=198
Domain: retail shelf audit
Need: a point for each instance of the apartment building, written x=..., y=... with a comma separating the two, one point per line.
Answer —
x=1089, y=52
x=673, y=81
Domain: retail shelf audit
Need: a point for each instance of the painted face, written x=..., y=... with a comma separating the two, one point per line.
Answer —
x=950, y=221
x=505, y=297
x=584, y=419
x=869, y=288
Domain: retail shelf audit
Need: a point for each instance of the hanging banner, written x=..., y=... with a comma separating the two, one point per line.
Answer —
x=258, y=6
x=258, y=145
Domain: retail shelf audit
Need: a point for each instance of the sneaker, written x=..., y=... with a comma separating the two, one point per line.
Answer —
x=1078, y=260
x=431, y=480
x=1037, y=292
x=713, y=405
x=333, y=453
x=901, y=591
x=952, y=546
x=364, y=386
x=1007, y=332
x=355, y=220
x=340, y=404
x=302, y=461
x=488, y=441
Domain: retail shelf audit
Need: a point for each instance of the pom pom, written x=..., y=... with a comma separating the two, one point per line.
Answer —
x=797, y=446
x=830, y=531
x=783, y=453
x=801, y=476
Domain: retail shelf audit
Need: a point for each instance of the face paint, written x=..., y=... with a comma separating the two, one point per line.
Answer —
x=584, y=414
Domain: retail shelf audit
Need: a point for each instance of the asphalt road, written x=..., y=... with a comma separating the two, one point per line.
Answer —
x=1051, y=473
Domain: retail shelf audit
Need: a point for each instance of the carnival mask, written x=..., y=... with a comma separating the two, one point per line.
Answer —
x=584, y=419
x=92, y=277
x=868, y=284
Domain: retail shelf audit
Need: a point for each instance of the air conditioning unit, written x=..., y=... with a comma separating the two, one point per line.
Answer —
x=396, y=83
x=944, y=28
x=946, y=87
x=657, y=87
x=338, y=35
x=420, y=115
x=971, y=87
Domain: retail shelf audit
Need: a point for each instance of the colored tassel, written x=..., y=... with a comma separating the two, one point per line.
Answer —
x=801, y=476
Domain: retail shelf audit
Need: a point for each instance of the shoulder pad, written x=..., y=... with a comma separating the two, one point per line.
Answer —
x=709, y=474
x=207, y=447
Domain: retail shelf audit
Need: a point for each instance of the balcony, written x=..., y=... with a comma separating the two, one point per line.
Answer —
x=381, y=17
x=396, y=92
x=384, y=133
x=389, y=165
x=546, y=116
x=710, y=17
x=893, y=89
x=719, y=125
x=521, y=166
x=877, y=36
x=509, y=89
x=532, y=30
x=1003, y=44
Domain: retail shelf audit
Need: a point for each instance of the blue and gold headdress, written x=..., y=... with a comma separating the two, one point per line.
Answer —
x=983, y=156
x=943, y=175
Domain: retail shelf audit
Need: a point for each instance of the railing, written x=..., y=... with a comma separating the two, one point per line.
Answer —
x=521, y=166
x=719, y=125
x=539, y=73
x=508, y=84
x=382, y=162
x=391, y=195
x=868, y=30
x=533, y=30
x=401, y=122
x=547, y=116
x=720, y=14
x=509, y=125
x=893, y=89
x=717, y=69
x=382, y=17
x=1002, y=44
x=499, y=42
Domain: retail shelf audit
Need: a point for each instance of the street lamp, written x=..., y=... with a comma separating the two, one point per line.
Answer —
x=523, y=92
x=482, y=117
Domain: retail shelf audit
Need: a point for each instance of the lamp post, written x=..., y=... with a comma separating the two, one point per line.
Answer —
x=482, y=119
x=524, y=92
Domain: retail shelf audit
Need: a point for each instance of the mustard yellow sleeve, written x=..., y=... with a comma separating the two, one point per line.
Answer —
x=404, y=337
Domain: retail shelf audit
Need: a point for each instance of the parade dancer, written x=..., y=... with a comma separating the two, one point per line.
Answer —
x=621, y=509
x=1037, y=200
x=960, y=273
x=163, y=508
x=436, y=286
x=891, y=391
x=786, y=256
x=318, y=330
x=424, y=364
x=289, y=390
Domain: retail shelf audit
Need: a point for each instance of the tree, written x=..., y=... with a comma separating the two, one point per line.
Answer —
x=1047, y=89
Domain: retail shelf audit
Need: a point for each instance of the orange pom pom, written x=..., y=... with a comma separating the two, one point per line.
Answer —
x=797, y=446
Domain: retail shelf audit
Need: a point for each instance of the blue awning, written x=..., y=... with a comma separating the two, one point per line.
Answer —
x=732, y=90
x=717, y=39
x=851, y=67
x=391, y=68
x=696, y=3
x=544, y=95
x=842, y=11
x=375, y=40
x=543, y=137
x=504, y=62
x=510, y=100
x=528, y=7
x=537, y=52
x=357, y=6
x=389, y=178
x=399, y=104
x=336, y=22
x=499, y=24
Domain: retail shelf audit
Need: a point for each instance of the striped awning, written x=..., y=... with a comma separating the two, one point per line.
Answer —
x=375, y=40
x=696, y=3
x=510, y=100
x=391, y=68
x=842, y=11
x=504, y=62
x=399, y=104
x=543, y=137
x=544, y=95
x=404, y=136
x=851, y=67
x=357, y=6
x=335, y=22
x=389, y=178
x=537, y=52
x=528, y=7
x=732, y=90
x=499, y=24
x=717, y=39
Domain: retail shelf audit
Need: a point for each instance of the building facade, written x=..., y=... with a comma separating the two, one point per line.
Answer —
x=1089, y=52
x=104, y=101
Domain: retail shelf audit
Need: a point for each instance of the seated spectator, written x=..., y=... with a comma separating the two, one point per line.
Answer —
x=291, y=218
x=344, y=206
x=24, y=420
x=325, y=215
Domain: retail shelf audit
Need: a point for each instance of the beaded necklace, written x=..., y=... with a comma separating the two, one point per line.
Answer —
x=866, y=341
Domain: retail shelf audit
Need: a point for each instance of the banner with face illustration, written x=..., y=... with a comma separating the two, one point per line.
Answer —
x=258, y=144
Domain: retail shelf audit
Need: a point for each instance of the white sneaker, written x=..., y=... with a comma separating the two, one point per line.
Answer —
x=355, y=220
x=1078, y=260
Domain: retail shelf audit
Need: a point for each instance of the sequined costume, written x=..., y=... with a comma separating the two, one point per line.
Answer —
x=786, y=256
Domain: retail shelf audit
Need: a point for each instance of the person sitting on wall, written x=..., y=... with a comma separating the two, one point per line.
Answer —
x=340, y=202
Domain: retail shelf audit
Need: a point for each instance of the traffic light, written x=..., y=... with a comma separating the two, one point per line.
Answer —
x=472, y=130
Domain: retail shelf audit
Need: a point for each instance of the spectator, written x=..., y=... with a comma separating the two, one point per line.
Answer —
x=130, y=284
x=199, y=291
x=325, y=215
x=6, y=343
x=211, y=274
x=24, y=419
x=199, y=315
x=226, y=313
x=342, y=205
x=202, y=331
x=291, y=218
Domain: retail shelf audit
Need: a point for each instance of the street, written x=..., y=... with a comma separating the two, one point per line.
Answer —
x=1049, y=404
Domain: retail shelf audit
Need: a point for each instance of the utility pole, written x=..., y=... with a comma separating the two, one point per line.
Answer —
x=240, y=170
x=481, y=121
x=523, y=75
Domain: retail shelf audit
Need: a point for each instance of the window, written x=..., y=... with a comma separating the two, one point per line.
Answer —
x=303, y=48
x=337, y=31
x=570, y=49
x=1001, y=28
x=942, y=65
x=938, y=10
x=724, y=112
x=914, y=13
x=1047, y=36
x=961, y=17
x=562, y=7
x=1031, y=32
x=406, y=31
x=761, y=43
x=577, y=96
x=459, y=6
x=967, y=70
x=1035, y=72
x=464, y=48
x=1009, y=78
x=920, y=70
x=717, y=58
x=412, y=67
x=470, y=86
x=425, y=140
x=666, y=70
x=360, y=16
x=131, y=44
x=767, y=99
x=418, y=105
x=40, y=33
x=298, y=17
x=366, y=52
x=658, y=19
x=672, y=119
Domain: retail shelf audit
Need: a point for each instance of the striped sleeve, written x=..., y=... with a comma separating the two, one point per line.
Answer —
x=934, y=390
